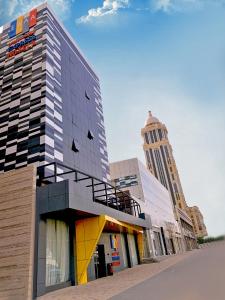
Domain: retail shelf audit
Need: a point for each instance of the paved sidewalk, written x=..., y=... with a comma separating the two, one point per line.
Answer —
x=105, y=288
x=199, y=277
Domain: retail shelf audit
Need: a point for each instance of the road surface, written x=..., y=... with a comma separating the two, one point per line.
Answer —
x=200, y=276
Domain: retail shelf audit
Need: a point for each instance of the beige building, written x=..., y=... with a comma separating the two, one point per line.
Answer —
x=198, y=221
x=161, y=163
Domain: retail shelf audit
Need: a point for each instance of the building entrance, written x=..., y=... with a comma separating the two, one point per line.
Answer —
x=101, y=266
x=157, y=244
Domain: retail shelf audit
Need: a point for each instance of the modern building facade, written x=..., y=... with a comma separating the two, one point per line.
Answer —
x=161, y=163
x=198, y=221
x=62, y=222
x=35, y=125
x=132, y=176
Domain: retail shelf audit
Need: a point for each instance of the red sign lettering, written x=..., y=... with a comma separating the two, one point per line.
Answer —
x=33, y=17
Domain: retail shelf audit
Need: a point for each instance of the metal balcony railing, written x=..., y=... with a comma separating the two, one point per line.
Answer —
x=102, y=192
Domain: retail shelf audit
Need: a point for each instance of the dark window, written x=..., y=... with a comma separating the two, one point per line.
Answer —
x=10, y=157
x=75, y=146
x=18, y=64
x=33, y=159
x=35, y=88
x=160, y=134
x=27, y=71
x=26, y=80
x=34, y=123
x=12, y=136
x=22, y=146
x=175, y=188
x=87, y=95
x=17, y=80
x=22, y=134
x=2, y=153
x=3, y=143
x=146, y=138
x=4, y=119
x=14, y=117
x=34, y=141
x=154, y=134
x=27, y=62
x=9, y=87
x=152, y=139
x=148, y=157
x=21, y=158
x=16, y=96
x=7, y=80
x=33, y=150
x=37, y=52
x=8, y=168
x=90, y=135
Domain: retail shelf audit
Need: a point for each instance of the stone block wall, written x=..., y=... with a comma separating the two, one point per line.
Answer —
x=17, y=233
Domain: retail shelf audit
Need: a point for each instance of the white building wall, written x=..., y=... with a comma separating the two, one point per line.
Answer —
x=149, y=192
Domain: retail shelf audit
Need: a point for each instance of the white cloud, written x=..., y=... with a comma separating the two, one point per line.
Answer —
x=163, y=5
x=169, y=6
x=13, y=8
x=177, y=5
x=109, y=7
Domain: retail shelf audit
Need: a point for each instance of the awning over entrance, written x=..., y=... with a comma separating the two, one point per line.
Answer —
x=88, y=232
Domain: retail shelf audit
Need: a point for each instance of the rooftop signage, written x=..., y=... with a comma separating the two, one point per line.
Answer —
x=23, y=24
x=28, y=39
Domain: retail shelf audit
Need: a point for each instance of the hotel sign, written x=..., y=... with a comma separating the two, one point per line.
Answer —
x=22, y=44
x=22, y=25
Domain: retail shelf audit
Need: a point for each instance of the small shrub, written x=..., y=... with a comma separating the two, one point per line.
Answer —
x=210, y=239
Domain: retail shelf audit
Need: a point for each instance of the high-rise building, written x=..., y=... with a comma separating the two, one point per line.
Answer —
x=61, y=222
x=160, y=160
x=198, y=221
x=51, y=104
x=161, y=163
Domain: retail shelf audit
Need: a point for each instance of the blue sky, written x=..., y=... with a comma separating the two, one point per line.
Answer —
x=167, y=56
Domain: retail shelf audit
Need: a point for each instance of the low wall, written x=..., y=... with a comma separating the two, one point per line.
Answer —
x=17, y=224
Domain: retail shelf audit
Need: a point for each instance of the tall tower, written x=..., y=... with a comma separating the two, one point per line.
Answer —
x=161, y=163
x=160, y=160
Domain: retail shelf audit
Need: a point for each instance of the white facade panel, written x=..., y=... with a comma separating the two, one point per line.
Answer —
x=149, y=192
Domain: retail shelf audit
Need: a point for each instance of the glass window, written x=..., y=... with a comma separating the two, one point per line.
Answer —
x=133, y=249
x=146, y=138
x=124, y=251
x=160, y=134
x=57, y=252
x=154, y=134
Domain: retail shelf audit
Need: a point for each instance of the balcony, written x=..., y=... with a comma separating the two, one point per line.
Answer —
x=101, y=192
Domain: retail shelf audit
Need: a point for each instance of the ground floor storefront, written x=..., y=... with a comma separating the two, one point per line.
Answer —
x=129, y=278
x=158, y=242
x=114, y=252
x=59, y=234
x=190, y=243
x=91, y=248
